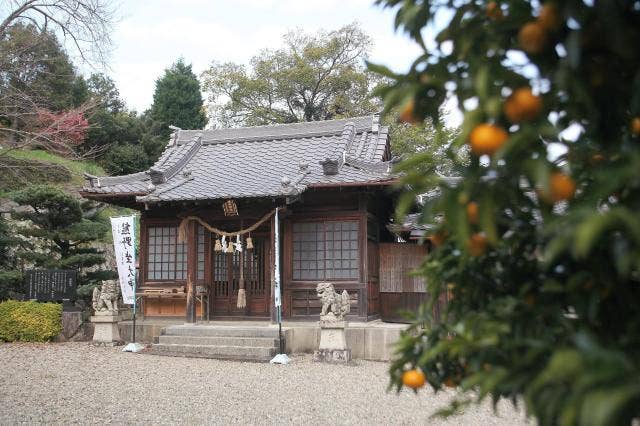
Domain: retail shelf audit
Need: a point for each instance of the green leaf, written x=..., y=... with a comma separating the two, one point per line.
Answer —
x=604, y=407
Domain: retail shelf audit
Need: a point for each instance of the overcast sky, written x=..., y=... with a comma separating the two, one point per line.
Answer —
x=152, y=34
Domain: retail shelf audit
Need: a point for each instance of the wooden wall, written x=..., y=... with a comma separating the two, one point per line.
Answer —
x=370, y=208
x=397, y=261
x=399, y=290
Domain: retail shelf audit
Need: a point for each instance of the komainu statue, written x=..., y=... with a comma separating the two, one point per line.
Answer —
x=105, y=299
x=333, y=302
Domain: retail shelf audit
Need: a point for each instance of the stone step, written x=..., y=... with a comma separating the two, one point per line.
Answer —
x=220, y=331
x=264, y=342
x=243, y=353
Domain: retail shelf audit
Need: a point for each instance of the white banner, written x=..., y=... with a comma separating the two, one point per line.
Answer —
x=124, y=244
x=277, y=261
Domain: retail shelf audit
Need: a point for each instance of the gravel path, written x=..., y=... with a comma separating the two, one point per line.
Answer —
x=79, y=383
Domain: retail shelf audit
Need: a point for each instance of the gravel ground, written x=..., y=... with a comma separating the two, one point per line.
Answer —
x=80, y=383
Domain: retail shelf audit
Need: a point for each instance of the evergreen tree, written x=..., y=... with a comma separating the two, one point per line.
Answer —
x=111, y=123
x=60, y=232
x=36, y=74
x=177, y=99
x=125, y=159
x=313, y=77
x=10, y=278
x=538, y=242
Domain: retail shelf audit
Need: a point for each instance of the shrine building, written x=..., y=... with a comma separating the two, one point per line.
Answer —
x=207, y=224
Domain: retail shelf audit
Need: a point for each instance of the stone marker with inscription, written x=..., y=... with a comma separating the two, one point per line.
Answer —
x=333, y=342
x=50, y=285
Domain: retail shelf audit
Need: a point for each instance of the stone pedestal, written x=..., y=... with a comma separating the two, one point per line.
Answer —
x=106, y=330
x=333, y=342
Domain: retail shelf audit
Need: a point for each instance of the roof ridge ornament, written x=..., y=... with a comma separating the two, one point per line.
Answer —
x=375, y=123
x=173, y=139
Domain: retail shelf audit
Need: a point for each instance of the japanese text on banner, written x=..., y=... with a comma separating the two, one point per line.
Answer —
x=124, y=245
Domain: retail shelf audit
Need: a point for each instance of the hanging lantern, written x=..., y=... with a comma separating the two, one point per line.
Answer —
x=230, y=208
x=218, y=246
x=249, y=243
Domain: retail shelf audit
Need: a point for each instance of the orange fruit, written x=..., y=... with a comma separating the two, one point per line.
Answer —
x=532, y=37
x=522, y=105
x=635, y=126
x=472, y=212
x=487, y=139
x=407, y=113
x=438, y=238
x=477, y=244
x=561, y=187
x=493, y=11
x=413, y=379
x=549, y=17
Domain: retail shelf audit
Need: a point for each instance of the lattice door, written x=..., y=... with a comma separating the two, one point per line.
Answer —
x=226, y=274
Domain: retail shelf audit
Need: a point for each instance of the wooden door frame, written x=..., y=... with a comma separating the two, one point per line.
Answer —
x=231, y=298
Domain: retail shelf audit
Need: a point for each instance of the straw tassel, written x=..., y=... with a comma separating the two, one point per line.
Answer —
x=218, y=246
x=242, y=296
x=230, y=247
x=249, y=243
x=242, y=299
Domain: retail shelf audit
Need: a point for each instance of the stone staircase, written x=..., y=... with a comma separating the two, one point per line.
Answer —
x=242, y=343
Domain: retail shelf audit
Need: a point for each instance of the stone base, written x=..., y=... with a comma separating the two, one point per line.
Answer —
x=332, y=335
x=332, y=355
x=106, y=329
x=123, y=314
x=333, y=342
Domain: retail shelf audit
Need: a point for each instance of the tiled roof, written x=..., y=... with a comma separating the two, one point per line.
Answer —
x=264, y=161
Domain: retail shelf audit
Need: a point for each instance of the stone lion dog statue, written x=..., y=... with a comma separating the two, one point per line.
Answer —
x=333, y=302
x=105, y=299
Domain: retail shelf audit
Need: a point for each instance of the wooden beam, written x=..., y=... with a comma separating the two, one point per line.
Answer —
x=192, y=271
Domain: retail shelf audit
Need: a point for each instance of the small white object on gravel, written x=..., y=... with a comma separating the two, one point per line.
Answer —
x=80, y=383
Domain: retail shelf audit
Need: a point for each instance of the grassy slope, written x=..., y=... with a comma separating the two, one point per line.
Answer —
x=76, y=168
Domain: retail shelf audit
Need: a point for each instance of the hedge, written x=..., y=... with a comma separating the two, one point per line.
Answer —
x=29, y=321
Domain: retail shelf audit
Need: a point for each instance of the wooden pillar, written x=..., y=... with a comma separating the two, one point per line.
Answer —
x=363, y=292
x=192, y=270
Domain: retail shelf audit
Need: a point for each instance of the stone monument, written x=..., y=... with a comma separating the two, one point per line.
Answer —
x=106, y=313
x=333, y=341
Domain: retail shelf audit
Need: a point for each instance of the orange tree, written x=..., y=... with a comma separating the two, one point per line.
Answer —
x=540, y=235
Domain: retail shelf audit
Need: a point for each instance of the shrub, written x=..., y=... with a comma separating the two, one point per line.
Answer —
x=10, y=284
x=29, y=321
x=125, y=159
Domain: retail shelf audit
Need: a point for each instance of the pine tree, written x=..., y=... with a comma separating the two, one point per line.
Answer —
x=538, y=239
x=59, y=234
x=177, y=99
x=10, y=278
